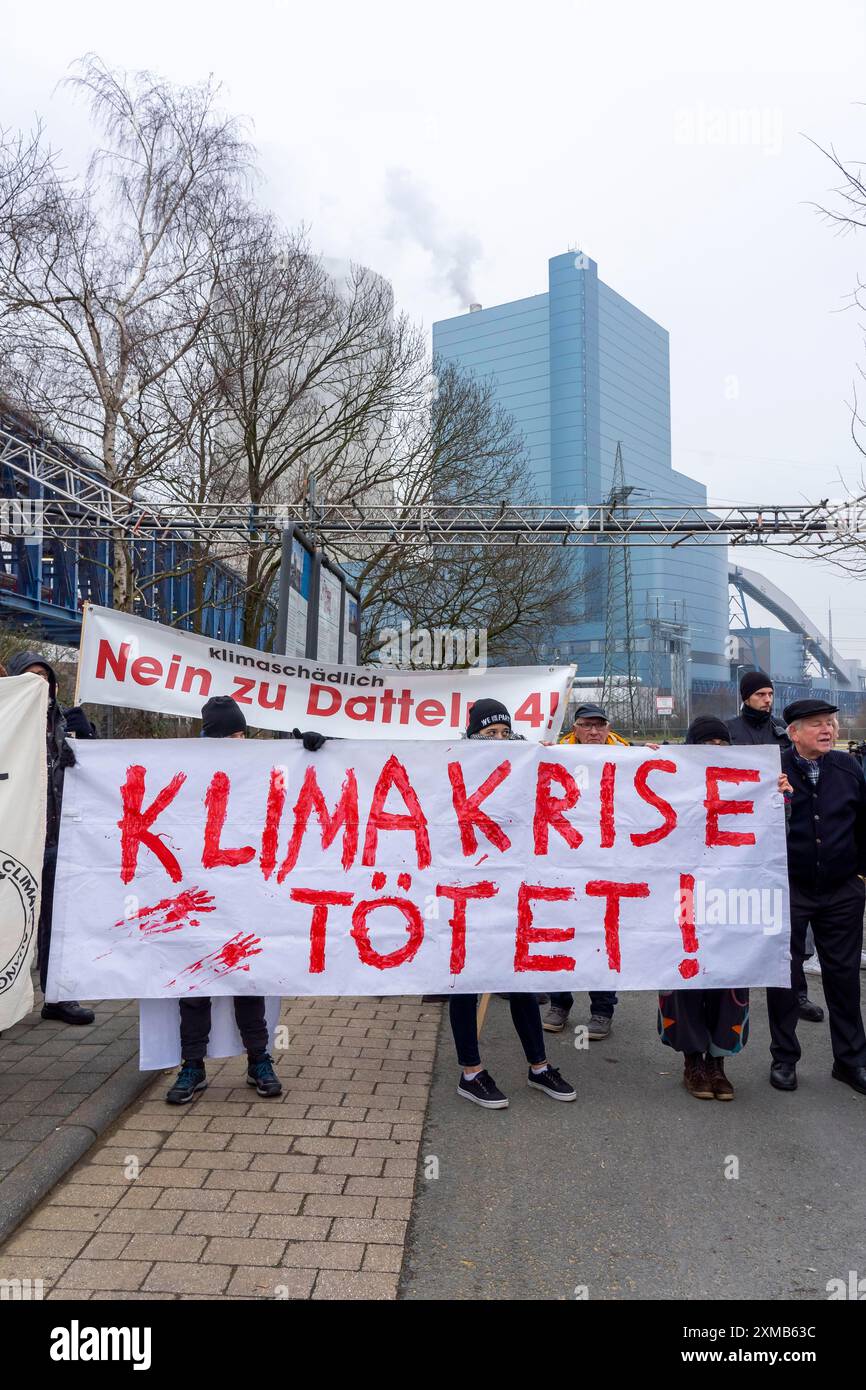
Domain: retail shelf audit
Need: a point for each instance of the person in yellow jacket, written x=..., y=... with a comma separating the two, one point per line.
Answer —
x=591, y=725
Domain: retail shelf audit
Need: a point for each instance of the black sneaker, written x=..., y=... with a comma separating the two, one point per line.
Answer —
x=552, y=1084
x=482, y=1089
x=191, y=1078
x=261, y=1074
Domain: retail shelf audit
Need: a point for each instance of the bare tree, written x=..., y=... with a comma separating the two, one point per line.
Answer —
x=107, y=281
x=462, y=448
x=313, y=371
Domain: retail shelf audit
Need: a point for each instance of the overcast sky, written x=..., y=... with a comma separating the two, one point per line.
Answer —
x=456, y=147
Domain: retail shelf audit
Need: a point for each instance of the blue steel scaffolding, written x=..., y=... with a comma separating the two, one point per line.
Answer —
x=45, y=580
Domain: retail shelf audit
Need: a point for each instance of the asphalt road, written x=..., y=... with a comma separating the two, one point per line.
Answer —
x=623, y=1194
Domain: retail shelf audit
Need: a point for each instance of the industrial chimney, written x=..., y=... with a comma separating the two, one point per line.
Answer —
x=474, y=308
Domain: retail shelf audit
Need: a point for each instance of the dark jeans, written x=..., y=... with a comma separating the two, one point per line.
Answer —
x=836, y=919
x=601, y=1003
x=195, y=1026
x=525, y=1015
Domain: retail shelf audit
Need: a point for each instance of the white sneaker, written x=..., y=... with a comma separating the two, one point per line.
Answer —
x=812, y=966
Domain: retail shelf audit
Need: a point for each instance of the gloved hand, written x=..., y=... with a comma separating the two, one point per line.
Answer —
x=77, y=723
x=311, y=740
x=67, y=756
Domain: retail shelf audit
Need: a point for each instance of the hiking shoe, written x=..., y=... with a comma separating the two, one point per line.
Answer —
x=599, y=1027
x=808, y=1011
x=261, y=1074
x=551, y=1083
x=555, y=1019
x=190, y=1079
x=695, y=1078
x=715, y=1070
x=482, y=1089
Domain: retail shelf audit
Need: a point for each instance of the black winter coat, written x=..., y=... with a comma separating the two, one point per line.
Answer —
x=827, y=827
x=750, y=727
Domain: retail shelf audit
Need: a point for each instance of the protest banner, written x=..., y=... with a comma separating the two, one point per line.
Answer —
x=23, y=774
x=193, y=867
x=129, y=661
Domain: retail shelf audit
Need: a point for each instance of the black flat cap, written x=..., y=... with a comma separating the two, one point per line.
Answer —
x=801, y=709
x=590, y=712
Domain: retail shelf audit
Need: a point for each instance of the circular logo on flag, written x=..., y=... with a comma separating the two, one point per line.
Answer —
x=19, y=894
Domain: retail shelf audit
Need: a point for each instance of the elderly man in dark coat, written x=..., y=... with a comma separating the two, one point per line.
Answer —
x=826, y=861
x=756, y=723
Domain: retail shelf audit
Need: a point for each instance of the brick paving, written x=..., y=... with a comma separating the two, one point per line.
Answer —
x=307, y=1196
x=48, y=1073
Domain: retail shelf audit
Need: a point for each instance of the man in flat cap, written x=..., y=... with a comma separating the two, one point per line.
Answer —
x=826, y=861
x=756, y=723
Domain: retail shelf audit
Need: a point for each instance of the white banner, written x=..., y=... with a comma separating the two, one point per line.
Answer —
x=228, y=867
x=23, y=778
x=129, y=661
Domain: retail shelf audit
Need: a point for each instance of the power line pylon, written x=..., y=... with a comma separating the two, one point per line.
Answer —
x=619, y=640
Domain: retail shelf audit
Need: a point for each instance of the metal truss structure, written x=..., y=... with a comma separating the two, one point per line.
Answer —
x=81, y=514
x=79, y=502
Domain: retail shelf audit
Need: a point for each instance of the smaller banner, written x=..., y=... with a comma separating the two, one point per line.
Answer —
x=131, y=662
x=23, y=777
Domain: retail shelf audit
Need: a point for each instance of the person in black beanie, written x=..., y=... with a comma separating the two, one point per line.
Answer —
x=488, y=720
x=222, y=717
x=756, y=722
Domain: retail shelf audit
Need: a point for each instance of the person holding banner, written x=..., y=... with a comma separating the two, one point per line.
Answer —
x=222, y=717
x=826, y=863
x=706, y=1025
x=488, y=719
x=756, y=723
x=592, y=726
x=60, y=756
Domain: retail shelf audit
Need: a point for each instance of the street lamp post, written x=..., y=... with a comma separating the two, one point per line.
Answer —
x=737, y=670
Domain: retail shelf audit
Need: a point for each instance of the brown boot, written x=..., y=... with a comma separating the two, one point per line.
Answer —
x=695, y=1078
x=722, y=1088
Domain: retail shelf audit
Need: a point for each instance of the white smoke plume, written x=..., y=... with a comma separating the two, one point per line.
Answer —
x=414, y=216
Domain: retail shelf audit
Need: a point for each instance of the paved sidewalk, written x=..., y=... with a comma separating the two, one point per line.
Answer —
x=60, y=1087
x=238, y=1197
